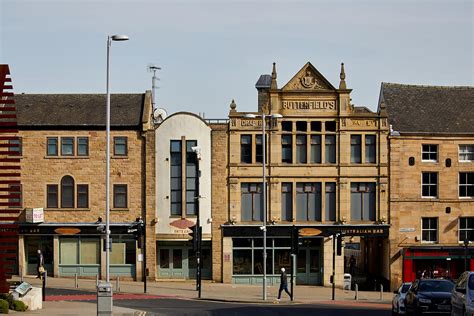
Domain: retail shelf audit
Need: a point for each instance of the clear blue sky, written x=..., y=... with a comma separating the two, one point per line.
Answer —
x=214, y=51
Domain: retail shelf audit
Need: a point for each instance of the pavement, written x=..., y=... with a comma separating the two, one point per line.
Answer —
x=64, y=298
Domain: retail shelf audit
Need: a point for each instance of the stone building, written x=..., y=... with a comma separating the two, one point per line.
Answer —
x=431, y=180
x=63, y=179
x=327, y=169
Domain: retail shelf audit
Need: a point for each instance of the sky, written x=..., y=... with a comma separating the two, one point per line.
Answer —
x=213, y=51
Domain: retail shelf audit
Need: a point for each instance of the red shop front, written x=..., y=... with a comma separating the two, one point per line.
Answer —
x=436, y=262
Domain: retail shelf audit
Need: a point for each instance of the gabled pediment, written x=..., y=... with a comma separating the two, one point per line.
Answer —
x=307, y=79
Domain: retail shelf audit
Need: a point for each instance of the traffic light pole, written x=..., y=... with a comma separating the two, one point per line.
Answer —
x=333, y=277
x=199, y=228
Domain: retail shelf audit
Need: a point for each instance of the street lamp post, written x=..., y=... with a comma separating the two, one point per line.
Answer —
x=264, y=206
x=104, y=291
x=466, y=244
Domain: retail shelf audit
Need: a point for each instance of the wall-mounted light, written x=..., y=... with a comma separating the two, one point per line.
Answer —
x=233, y=220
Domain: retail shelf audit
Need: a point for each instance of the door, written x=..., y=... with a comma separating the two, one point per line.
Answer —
x=206, y=264
x=45, y=244
x=170, y=263
x=308, y=266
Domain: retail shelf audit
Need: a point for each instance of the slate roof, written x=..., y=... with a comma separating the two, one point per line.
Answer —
x=428, y=109
x=264, y=82
x=78, y=109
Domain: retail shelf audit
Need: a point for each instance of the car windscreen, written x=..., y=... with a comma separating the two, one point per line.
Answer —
x=405, y=288
x=436, y=286
x=470, y=284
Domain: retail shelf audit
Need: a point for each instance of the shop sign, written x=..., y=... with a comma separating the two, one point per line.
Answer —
x=406, y=229
x=306, y=232
x=34, y=215
x=67, y=231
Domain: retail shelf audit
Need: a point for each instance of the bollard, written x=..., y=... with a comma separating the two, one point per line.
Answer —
x=97, y=280
x=381, y=292
x=76, y=284
x=117, y=289
x=45, y=275
x=357, y=292
x=21, y=275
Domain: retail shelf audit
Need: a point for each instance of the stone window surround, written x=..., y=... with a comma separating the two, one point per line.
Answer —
x=59, y=147
x=429, y=150
x=430, y=229
x=465, y=184
x=126, y=196
x=469, y=150
x=58, y=197
x=430, y=185
x=471, y=229
x=115, y=138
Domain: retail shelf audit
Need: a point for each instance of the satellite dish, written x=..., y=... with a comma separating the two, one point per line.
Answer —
x=159, y=115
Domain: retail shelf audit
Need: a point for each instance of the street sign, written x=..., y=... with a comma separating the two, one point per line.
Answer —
x=305, y=232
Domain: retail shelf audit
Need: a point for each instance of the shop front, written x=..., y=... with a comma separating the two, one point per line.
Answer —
x=436, y=262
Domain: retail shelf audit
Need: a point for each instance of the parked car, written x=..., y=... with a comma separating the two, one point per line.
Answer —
x=462, y=298
x=398, y=301
x=429, y=296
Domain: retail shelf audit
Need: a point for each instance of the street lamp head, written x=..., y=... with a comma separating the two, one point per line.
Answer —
x=466, y=242
x=119, y=37
x=250, y=115
x=276, y=115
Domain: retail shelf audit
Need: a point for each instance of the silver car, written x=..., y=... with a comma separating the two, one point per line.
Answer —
x=398, y=302
x=462, y=297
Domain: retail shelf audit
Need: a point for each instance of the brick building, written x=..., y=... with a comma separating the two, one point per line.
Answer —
x=63, y=174
x=431, y=179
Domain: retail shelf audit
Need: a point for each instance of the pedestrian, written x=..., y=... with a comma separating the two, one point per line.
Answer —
x=40, y=264
x=352, y=263
x=283, y=284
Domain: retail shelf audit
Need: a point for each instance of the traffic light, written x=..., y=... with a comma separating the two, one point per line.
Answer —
x=295, y=240
x=339, y=245
x=136, y=228
x=194, y=234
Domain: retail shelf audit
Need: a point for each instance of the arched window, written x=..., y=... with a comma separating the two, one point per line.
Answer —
x=67, y=192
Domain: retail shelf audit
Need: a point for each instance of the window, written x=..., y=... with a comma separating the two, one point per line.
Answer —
x=67, y=146
x=79, y=250
x=466, y=153
x=315, y=148
x=429, y=184
x=301, y=148
x=120, y=196
x=83, y=146
x=301, y=126
x=67, y=192
x=330, y=201
x=82, y=196
x=330, y=126
x=15, y=147
x=316, y=126
x=356, y=152
x=176, y=177
x=330, y=148
x=52, y=196
x=52, y=149
x=287, y=201
x=191, y=179
x=466, y=229
x=287, y=126
x=363, y=201
x=429, y=229
x=246, y=148
x=251, y=202
x=286, y=149
x=466, y=184
x=429, y=153
x=14, y=192
x=258, y=149
x=370, y=149
x=120, y=146
x=308, y=201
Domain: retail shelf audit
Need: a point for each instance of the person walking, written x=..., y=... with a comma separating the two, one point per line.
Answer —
x=283, y=284
x=40, y=264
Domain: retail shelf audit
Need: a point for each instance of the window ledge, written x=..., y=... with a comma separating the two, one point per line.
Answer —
x=118, y=209
x=66, y=157
x=68, y=209
x=119, y=157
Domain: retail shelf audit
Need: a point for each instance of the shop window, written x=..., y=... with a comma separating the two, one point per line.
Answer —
x=466, y=229
x=370, y=149
x=191, y=178
x=315, y=148
x=258, y=149
x=52, y=196
x=466, y=184
x=363, y=201
x=251, y=202
x=330, y=126
x=82, y=196
x=246, y=148
x=301, y=148
x=466, y=153
x=83, y=146
x=69, y=253
x=429, y=153
x=356, y=151
x=52, y=146
x=330, y=201
x=308, y=201
x=67, y=192
x=123, y=250
x=120, y=146
x=287, y=126
x=164, y=258
x=176, y=177
x=79, y=250
x=316, y=126
x=258, y=261
x=89, y=251
x=120, y=196
x=429, y=229
x=242, y=261
x=429, y=184
x=242, y=242
x=287, y=201
x=286, y=149
x=67, y=146
x=15, y=198
x=301, y=126
x=15, y=146
x=330, y=148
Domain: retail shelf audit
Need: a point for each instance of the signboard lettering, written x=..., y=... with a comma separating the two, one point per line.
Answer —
x=309, y=105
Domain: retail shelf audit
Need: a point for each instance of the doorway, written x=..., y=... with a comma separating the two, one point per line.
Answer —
x=45, y=244
x=309, y=265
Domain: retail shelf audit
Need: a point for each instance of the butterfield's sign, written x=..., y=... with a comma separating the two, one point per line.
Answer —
x=34, y=215
x=308, y=105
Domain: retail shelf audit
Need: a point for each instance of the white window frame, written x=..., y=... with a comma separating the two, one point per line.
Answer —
x=463, y=229
x=463, y=184
x=437, y=185
x=437, y=231
x=465, y=152
x=430, y=152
